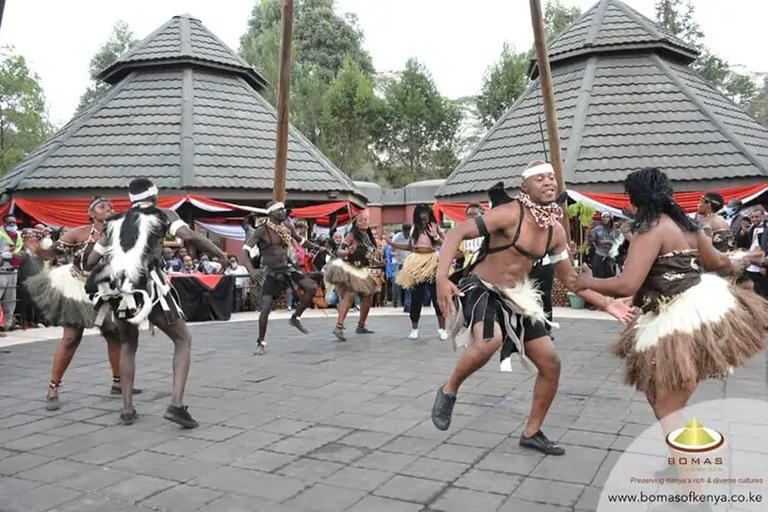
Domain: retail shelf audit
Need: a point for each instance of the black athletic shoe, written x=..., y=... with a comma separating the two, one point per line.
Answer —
x=542, y=443
x=361, y=329
x=442, y=410
x=180, y=416
x=295, y=322
x=117, y=391
x=129, y=417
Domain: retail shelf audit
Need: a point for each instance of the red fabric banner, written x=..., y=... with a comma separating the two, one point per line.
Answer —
x=74, y=212
x=687, y=200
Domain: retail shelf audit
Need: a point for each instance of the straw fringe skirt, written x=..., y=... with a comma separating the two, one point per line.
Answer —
x=418, y=268
x=702, y=333
x=60, y=295
x=345, y=278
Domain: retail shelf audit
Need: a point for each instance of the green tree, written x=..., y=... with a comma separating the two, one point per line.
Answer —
x=504, y=82
x=507, y=78
x=322, y=40
x=678, y=18
x=24, y=123
x=758, y=104
x=558, y=17
x=419, y=128
x=350, y=109
x=120, y=41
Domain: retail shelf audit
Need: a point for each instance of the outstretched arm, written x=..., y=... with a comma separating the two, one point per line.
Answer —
x=567, y=275
x=641, y=255
x=70, y=238
x=182, y=230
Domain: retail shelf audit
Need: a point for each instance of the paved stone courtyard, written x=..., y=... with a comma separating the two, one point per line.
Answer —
x=318, y=426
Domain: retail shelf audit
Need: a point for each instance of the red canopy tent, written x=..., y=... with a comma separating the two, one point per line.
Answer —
x=321, y=213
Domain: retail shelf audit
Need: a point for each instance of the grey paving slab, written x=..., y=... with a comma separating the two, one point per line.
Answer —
x=318, y=426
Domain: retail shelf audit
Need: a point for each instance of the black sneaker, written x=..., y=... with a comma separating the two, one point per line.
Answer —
x=361, y=329
x=129, y=417
x=542, y=443
x=295, y=322
x=442, y=410
x=118, y=391
x=180, y=416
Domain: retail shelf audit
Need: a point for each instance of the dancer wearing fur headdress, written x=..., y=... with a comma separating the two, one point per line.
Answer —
x=420, y=266
x=350, y=274
x=694, y=325
x=128, y=283
x=60, y=295
x=495, y=306
x=275, y=238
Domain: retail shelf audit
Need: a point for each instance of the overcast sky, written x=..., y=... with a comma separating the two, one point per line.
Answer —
x=456, y=39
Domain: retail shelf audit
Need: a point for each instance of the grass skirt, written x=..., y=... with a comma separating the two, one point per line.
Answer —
x=702, y=333
x=418, y=268
x=345, y=278
x=60, y=295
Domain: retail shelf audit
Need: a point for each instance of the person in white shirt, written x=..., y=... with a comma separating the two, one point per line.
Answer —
x=398, y=257
x=241, y=281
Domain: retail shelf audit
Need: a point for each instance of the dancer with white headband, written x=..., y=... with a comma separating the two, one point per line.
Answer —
x=60, y=295
x=495, y=306
x=274, y=239
x=129, y=284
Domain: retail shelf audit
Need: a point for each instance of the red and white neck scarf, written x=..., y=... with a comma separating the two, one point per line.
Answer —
x=546, y=215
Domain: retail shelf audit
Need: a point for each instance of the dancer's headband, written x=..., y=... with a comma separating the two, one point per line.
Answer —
x=150, y=192
x=275, y=207
x=538, y=169
x=95, y=201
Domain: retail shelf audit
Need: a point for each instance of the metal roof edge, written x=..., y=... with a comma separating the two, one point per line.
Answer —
x=709, y=114
x=76, y=125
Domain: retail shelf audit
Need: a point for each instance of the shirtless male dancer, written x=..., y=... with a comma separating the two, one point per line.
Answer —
x=132, y=270
x=274, y=239
x=498, y=308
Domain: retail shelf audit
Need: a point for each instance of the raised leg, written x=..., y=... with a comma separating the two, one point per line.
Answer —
x=474, y=357
x=309, y=289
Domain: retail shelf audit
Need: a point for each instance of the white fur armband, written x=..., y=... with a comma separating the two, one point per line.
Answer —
x=99, y=249
x=176, y=226
x=556, y=258
x=247, y=248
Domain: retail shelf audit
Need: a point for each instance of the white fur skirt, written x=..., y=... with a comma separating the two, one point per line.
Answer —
x=510, y=307
x=702, y=333
x=60, y=295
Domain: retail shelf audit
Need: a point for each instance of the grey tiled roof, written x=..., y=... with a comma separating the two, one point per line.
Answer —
x=372, y=191
x=611, y=26
x=618, y=112
x=182, y=40
x=184, y=127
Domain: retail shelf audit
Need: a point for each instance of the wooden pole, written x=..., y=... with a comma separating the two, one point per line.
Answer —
x=548, y=96
x=283, y=101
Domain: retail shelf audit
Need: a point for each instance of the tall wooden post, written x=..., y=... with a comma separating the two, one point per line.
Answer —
x=548, y=96
x=283, y=101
